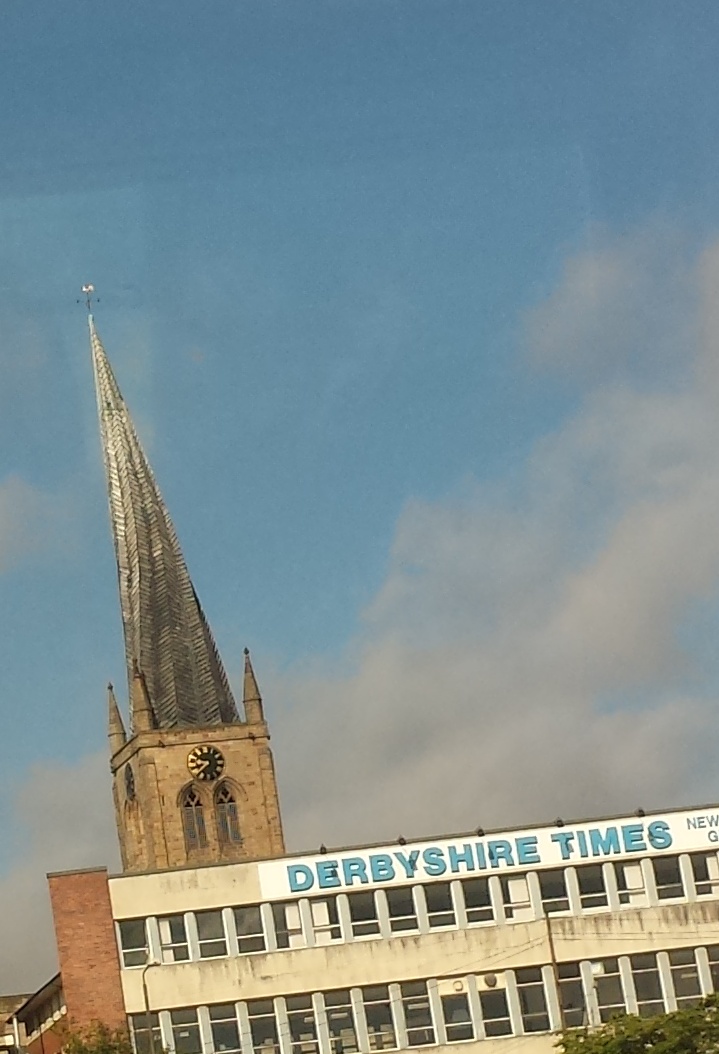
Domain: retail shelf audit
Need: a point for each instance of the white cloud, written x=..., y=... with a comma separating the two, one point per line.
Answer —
x=526, y=655
x=64, y=813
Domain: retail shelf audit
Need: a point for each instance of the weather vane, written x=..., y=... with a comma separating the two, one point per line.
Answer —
x=88, y=291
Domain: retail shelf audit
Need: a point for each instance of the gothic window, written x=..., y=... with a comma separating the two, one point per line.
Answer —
x=193, y=821
x=228, y=826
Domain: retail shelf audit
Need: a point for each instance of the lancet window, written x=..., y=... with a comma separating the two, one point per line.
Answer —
x=193, y=820
x=228, y=824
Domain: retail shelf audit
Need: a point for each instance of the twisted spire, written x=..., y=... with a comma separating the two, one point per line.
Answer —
x=167, y=637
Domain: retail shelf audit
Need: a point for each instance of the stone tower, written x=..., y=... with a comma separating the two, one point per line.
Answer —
x=193, y=780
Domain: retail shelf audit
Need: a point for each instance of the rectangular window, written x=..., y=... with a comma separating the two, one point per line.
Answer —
x=713, y=956
x=647, y=984
x=457, y=1018
x=263, y=1026
x=571, y=995
x=325, y=920
x=378, y=1013
x=592, y=890
x=402, y=912
x=553, y=888
x=288, y=925
x=668, y=877
x=133, y=942
x=515, y=894
x=225, y=1032
x=363, y=913
x=530, y=987
x=706, y=874
x=440, y=909
x=173, y=939
x=341, y=1022
x=477, y=901
x=301, y=1021
x=608, y=986
x=250, y=931
x=630, y=883
x=417, y=1014
x=495, y=1013
x=185, y=1032
x=685, y=977
x=211, y=934
x=140, y=1026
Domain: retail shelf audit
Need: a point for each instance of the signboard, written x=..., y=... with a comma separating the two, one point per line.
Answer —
x=531, y=849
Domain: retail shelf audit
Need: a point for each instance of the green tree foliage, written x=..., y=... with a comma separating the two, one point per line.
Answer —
x=691, y=1031
x=97, y=1039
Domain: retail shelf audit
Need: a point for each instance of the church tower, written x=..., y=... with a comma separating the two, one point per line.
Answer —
x=193, y=780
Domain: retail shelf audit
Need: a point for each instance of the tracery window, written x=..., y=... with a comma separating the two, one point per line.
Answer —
x=193, y=820
x=228, y=824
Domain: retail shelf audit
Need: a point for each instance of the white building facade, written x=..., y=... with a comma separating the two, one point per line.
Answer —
x=471, y=940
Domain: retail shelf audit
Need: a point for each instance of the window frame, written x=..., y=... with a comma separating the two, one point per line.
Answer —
x=204, y=943
x=125, y=951
x=167, y=947
x=193, y=819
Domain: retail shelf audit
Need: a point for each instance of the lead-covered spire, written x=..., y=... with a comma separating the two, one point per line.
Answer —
x=167, y=637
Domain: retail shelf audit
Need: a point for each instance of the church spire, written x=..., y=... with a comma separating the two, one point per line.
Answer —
x=166, y=634
x=251, y=698
x=115, y=728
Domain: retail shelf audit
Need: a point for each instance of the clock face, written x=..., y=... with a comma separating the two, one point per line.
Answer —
x=129, y=783
x=205, y=763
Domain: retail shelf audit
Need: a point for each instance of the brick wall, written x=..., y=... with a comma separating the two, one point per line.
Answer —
x=87, y=948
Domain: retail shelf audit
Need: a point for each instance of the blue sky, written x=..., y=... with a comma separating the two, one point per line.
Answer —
x=324, y=235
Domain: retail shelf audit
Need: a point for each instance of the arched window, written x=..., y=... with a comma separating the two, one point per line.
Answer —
x=193, y=821
x=228, y=825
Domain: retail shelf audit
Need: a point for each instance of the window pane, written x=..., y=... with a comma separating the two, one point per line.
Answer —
x=713, y=955
x=477, y=900
x=457, y=1018
x=668, y=877
x=608, y=985
x=402, y=915
x=380, y=1025
x=553, y=887
x=185, y=1032
x=685, y=977
x=440, y=909
x=530, y=987
x=647, y=984
x=133, y=941
x=225, y=1032
x=173, y=939
x=301, y=1020
x=495, y=1013
x=592, y=891
x=417, y=1014
x=288, y=926
x=250, y=932
x=515, y=894
x=325, y=920
x=571, y=994
x=263, y=1026
x=340, y=1021
x=211, y=934
x=140, y=1026
x=363, y=912
x=706, y=873
x=630, y=883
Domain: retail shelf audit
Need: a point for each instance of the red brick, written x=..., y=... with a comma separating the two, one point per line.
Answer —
x=87, y=948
